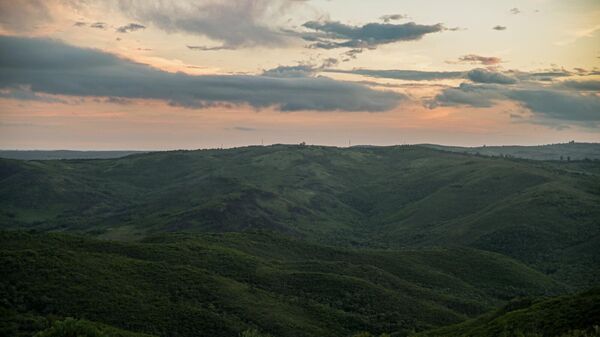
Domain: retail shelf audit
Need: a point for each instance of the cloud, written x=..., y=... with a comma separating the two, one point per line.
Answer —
x=407, y=75
x=478, y=59
x=333, y=34
x=392, y=17
x=98, y=25
x=559, y=105
x=72, y=71
x=499, y=27
x=515, y=11
x=301, y=70
x=486, y=76
x=235, y=24
x=549, y=105
x=591, y=85
x=207, y=48
x=542, y=76
x=132, y=27
x=25, y=94
x=80, y=24
x=480, y=96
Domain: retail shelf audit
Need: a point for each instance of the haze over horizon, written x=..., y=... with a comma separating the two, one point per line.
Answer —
x=162, y=75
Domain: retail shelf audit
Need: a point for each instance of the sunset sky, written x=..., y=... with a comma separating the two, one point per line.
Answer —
x=170, y=74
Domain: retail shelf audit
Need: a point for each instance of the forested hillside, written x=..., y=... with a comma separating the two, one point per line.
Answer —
x=298, y=241
x=545, y=214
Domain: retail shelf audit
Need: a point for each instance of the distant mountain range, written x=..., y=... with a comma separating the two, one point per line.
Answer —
x=63, y=154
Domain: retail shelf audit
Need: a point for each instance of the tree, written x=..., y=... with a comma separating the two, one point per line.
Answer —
x=71, y=327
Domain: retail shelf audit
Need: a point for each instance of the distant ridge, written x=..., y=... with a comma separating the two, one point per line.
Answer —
x=63, y=154
x=561, y=151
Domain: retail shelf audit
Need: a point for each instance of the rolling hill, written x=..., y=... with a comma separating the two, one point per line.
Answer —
x=544, y=214
x=569, y=316
x=225, y=284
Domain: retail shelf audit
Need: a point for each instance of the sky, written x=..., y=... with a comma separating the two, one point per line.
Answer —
x=183, y=74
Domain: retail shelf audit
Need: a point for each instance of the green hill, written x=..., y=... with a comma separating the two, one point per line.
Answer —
x=224, y=284
x=542, y=213
x=575, y=315
x=561, y=151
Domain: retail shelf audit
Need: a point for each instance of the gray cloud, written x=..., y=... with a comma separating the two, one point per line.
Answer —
x=499, y=27
x=407, y=75
x=301, y=70
x=332, y=34
x=560, y=105
x=242, y=23
x=392, y=17
x=590, y=85
x=98, y=25
x=478, y=59
x=486, y=76
x=132, y=27
x=547, y=104
x=480, y=96
x=67, y=70
x=25, y=94
x=515, y=11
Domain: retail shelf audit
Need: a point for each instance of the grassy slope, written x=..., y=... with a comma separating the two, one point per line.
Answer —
x=543, y=317
x=222, y=284
x=542, y=213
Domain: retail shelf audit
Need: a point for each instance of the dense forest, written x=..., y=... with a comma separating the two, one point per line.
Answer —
x=290, y=240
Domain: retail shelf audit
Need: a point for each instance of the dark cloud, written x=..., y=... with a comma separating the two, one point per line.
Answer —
x=547, y=104
x=407, y=75
x=80, y=24
x=559, y=105
x=98, y=25
x=479, y=96
x=499, y=27
x=478, y=59
x=352, y=54
x=132, y=27
x=330, y=62
x=25, y=94
x=393, y=17
x=67, y=70
x=591, y=85
x=487, y=76
x=333, y=34
x=542, y=76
